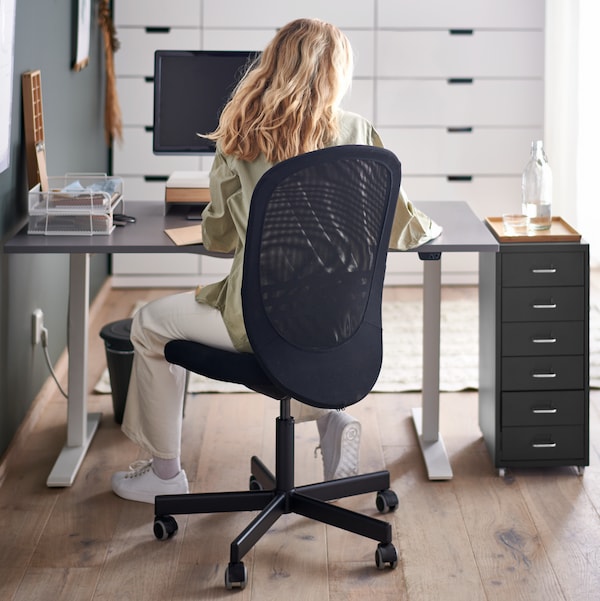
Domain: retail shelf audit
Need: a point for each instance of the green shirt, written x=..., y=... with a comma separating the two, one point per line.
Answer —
x=224, y=221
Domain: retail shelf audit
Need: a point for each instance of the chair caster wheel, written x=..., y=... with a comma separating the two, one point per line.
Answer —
x=165, y=527
x=386, y=554
x=255, y=484
x=386, y=501
x=236, y=576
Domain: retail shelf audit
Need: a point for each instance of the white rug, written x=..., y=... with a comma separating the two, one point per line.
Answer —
x=401, y=370
x=402, y=340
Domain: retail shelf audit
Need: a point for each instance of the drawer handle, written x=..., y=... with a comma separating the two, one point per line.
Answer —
x=550, y=305
x=544, y=270
x=543, y=375
x=543, y=340
x=544, y=445
x=460, y=31
x=459, y=80
x=156, y=178
x=549, y=411
x=459, y=130
x=459, y=178
x=158, y=29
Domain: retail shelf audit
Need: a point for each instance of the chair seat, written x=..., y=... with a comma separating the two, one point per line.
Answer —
x=225, y=366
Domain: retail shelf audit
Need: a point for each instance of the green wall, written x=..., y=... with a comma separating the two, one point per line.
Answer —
x=74, y=134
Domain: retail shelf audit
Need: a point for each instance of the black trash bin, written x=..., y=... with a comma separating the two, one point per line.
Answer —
x=119, y=359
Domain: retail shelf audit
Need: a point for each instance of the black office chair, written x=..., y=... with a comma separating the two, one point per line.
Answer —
x=314, y=266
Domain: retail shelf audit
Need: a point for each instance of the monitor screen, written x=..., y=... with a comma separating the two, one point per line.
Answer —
x=191, y=87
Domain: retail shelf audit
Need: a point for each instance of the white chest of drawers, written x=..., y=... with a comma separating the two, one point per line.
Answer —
x=454, y=88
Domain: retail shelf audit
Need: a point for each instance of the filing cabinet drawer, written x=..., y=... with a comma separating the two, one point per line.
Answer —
x=543, y=269
x=135, y=157
x=480, y=102
x=136, y=54
x=156, y=264
x=244, y=39
x=429, y=14
x=143, y=188
x=541, y=444
x=363, y=44
x=136, y=96
x=217, y=266
x=484, y=194
x=437, y=150
x=548, y=408
x=240, y=14
x=543, y=304
x=155, y=13
x=542, y=338
x=422, y=54
x=543, y=373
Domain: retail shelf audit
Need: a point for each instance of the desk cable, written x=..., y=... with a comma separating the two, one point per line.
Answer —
x=44, y=340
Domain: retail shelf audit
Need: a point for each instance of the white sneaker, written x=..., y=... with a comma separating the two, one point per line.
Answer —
x=140, y=483
x=340, y=444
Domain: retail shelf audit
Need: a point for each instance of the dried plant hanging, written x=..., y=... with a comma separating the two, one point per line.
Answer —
x=113, y=127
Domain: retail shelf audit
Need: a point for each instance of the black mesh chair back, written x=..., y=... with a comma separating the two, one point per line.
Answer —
x=314, y=264
x=314, y=267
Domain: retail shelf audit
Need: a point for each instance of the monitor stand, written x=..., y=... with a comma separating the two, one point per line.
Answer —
x=188, y=189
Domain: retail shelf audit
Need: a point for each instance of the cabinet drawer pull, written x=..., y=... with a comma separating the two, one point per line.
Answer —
x=543, y=375
x=459, y=130
x=459, y=178
x=550, y=411
x=156, y=178
x=460, y=31
x=544, y=445
x=544, y=270
x=158, y=29
x=459, y=80
x=549, y=305
x=543, y=340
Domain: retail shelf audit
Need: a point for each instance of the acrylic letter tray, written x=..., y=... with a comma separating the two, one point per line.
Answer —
x=75, y=205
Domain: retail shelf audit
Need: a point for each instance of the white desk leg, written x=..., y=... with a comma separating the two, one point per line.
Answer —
x=81, y=427
x=427, y=417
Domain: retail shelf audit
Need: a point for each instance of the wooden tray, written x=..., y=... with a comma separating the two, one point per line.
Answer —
x=560, y=231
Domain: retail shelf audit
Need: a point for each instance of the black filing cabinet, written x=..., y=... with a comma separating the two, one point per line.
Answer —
x=534, y=354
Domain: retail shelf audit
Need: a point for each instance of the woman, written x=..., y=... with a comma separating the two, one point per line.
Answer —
x=286, y=104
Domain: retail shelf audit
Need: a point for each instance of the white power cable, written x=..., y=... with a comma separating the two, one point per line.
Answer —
x=44, y=340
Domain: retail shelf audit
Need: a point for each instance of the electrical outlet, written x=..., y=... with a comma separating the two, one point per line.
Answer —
x=37, y=324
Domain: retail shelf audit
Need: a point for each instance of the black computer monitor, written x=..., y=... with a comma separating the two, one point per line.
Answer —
x=191, y=87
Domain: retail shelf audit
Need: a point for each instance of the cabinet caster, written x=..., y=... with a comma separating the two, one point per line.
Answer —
x=255, y=484
x=165, y=527
x=386, y=554
x=502, y=472
x=579, y=469
x=236, y=576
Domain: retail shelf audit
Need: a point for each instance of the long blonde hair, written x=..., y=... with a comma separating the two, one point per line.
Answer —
x=286, y=104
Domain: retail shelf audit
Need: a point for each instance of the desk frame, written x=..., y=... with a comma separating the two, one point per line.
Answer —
x=463, y=232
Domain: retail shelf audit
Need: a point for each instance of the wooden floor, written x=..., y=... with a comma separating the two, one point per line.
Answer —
x=534, y=534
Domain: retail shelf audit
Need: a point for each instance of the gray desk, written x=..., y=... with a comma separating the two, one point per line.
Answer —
x=463, y=232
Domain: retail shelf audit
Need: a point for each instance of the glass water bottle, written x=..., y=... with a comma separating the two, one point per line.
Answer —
x=537, y=189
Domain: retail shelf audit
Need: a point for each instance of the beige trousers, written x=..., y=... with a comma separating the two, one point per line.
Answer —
x=154, y=409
